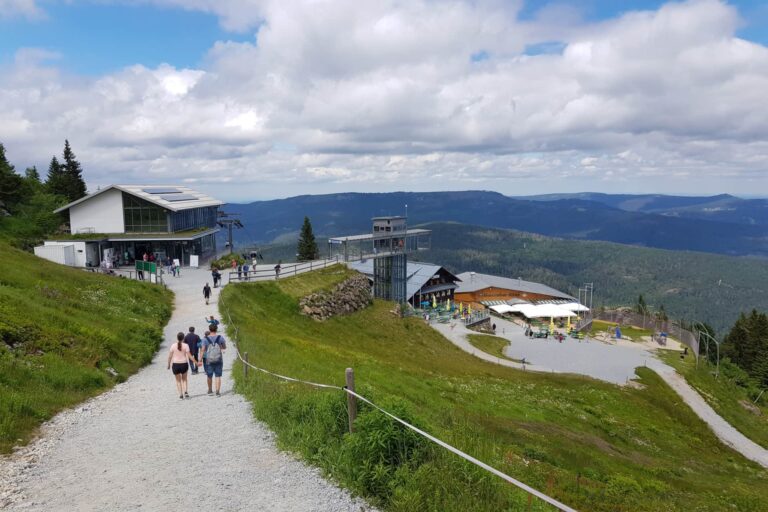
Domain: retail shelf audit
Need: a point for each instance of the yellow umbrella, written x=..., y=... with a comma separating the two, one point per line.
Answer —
x=469, y=310
x=461, y=307
x=568, y=326
x=448, y=304
x=434, y=302
x=551, y=325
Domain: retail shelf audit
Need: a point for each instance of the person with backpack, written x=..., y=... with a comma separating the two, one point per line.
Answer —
x=193, y=341
x=179, y=356
x=207, y=293
x=213, y=346
x=246, y=268
x=212, y=321
x=277, y=270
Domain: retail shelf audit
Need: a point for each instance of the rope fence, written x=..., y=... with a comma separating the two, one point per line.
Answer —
x=269, y=274
x=350, y=392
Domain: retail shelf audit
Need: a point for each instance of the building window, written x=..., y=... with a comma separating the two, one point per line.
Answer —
x=194, y=218
x=141, y=216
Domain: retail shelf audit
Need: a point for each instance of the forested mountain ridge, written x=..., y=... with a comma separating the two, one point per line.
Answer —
x=721, y=208
x=691, y=286
x=350, y=213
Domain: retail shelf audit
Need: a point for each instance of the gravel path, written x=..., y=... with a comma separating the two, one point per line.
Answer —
x=139, y=447
x=612, y=363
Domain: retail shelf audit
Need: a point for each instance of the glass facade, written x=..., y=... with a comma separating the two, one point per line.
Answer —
x=143, y=217
x=193, y=219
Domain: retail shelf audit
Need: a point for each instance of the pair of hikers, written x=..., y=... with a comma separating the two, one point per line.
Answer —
x=188, y=349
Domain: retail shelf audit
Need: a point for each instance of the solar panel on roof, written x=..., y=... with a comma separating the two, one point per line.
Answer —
x=161, y=190
x=179, y=197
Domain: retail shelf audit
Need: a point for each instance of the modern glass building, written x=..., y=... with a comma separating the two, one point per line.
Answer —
x=120, y=223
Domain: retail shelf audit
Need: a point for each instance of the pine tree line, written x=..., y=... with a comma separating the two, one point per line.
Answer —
x=747, y=345
x=27, y=203
x=64, y=179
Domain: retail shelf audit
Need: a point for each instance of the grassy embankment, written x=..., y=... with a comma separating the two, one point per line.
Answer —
x=60, y=329
x=593, y=445
x=492, y=345
x=724, y=395
x=627, y=331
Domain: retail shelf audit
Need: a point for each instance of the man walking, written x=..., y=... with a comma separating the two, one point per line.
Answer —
x=193, y=340
x=206, y=293
x=213, y=346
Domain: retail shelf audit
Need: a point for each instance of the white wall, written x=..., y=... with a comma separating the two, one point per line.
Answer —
x=100, y=214
x=78, y=248
x=62, y=254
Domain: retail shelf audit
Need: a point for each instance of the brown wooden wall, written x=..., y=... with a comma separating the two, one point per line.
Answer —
x=492, y=293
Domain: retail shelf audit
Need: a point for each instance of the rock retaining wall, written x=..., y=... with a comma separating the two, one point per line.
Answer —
x=349, y=296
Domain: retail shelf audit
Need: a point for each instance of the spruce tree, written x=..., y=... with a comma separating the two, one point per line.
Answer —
x=10, y=184
x=32, y=174
x=747, y=345
x=307, y=247
x=73, y=173
x=55, y=181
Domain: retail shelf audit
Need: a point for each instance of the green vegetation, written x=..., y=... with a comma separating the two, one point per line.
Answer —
x=690, y=285
x=492, y=345
x=747, y=345
x=627, y=331
x=60, y=330
x=306, y=248
x=593, y=445
x=731, y=394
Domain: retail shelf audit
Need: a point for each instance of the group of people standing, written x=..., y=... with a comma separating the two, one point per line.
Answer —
x=190, y=351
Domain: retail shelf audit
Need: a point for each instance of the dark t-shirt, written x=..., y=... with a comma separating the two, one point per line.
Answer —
x=192, y=340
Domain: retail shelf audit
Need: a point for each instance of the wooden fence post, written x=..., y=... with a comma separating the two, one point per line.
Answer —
x=245, y=366
x=351, y=400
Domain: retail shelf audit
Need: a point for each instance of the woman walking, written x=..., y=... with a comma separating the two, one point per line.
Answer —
x=178, y=356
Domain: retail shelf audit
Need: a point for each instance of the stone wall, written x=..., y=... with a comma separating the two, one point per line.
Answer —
x=349, y=296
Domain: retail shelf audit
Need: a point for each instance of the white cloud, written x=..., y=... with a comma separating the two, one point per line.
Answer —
x=386, y=94
x=21, y=8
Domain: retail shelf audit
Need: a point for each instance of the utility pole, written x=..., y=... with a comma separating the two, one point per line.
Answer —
x=229, y=221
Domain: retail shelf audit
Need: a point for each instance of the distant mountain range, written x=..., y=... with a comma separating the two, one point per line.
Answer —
x=720, y=224
x=720, y=208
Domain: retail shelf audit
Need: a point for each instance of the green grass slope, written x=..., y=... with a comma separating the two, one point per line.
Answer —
x=593, y=445
x=726, y=394
x=60, y=329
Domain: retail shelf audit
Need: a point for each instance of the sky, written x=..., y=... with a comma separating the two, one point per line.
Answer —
x=260, y=99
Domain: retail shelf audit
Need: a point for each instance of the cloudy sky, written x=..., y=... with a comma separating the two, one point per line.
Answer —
x=254, y=99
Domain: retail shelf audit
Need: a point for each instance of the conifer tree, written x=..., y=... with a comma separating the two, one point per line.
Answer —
x=73, y=173
x=55, y=181
x=747, y=345
x=32, y=175
x=10, y=183
x=307, y=247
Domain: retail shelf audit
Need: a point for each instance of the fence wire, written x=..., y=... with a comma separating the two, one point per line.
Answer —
x=530, y=490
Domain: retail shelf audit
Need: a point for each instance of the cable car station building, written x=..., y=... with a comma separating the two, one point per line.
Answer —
x=123, y=222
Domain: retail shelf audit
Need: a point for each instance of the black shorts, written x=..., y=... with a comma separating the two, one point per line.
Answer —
x=180, y=368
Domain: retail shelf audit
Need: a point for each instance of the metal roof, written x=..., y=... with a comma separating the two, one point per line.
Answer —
x=370, y=236
x=472, y=282
x=151, y=193
x=417, y=274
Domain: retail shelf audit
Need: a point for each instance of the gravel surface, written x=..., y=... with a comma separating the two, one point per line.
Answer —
x=608, y=362
x=139, y=447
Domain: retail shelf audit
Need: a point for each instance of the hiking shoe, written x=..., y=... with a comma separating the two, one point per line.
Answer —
x=186, y=395
x=181, y=396
x=210, y=392
x=218, y=394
